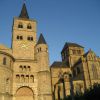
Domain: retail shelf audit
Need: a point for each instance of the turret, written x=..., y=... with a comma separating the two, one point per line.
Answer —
x=41, y=54
x=44, y=77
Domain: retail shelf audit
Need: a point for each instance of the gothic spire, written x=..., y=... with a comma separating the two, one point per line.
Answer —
x=24, y=13
x=41, y=40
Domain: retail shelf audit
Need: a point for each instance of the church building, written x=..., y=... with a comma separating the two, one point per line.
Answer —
x=76, y=72
x=25, y=73
x=24, y=68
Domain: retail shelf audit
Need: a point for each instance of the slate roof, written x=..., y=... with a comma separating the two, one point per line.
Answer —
x=58, y=64
x=24, y=13
x=41, y=40
x=69, y=44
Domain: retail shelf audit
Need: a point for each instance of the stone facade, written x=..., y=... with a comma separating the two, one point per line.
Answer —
x=77, y=71
x=24, y=68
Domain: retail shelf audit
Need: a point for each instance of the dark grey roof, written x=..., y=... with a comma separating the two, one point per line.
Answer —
x=69, y=44
x=24, y=13
x=41, y=40
x=57, y=64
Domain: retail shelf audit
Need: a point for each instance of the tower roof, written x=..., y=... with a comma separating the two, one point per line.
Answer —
x=41, y=40
x=69, y=44
x=24, y=13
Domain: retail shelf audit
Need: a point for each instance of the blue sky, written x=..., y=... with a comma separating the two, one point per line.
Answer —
x=60, y=21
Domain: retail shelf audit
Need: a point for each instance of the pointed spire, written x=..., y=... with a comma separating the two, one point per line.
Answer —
x=41, y=40
x=24, y=13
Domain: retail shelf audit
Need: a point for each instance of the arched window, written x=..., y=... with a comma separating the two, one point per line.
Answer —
x=31, y=78
x=29, y=69
x=4, y=61
x=20, y=25
x=29, y=26
x=27, y=78
x=17, y=78
x=22, y=78
x=39, y=49
x=21, y=68
x=30, y=38
x=24, y=68
x=19, y=37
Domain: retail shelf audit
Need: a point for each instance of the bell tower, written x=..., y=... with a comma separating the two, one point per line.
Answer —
x=23, y=35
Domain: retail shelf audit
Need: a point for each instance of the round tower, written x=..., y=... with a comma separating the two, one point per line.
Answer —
x=44, y=76
x=41, y=54
x=6, y=62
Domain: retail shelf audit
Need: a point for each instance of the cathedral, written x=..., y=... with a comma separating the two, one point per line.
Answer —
x=25, y=73
x=76, y=72
x=24, y=68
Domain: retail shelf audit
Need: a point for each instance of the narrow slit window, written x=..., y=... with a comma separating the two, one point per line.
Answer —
x=29, y=26
x=27, y=78
x=29, y=69
x=31, y=78
x=21, y=38
x=31, y=38
x=17, y=78
x=17, y=37
x=4, y=61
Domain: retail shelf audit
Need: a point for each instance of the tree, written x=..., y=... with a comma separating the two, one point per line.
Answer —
x=93, y=93
x=90, y=94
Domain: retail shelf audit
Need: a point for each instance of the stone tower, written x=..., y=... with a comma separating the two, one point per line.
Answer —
x=44, y=78
x=31, y=75
x=71, y=52
x=24, y=36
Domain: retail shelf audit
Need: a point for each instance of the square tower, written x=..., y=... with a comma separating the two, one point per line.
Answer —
x=23, y=36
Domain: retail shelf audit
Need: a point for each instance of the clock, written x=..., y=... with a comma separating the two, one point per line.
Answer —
x=24, y=45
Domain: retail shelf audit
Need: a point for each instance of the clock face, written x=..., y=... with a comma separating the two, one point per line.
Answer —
x=24, y=45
